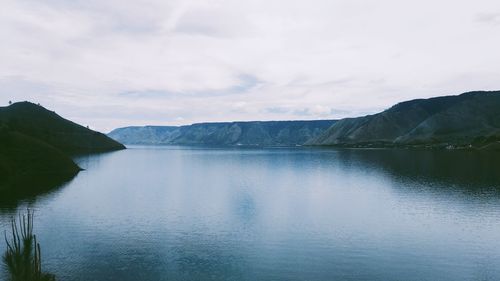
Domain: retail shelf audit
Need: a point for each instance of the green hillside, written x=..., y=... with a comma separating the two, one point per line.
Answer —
x=36, y=147
x=36, y=121
x=467, y=120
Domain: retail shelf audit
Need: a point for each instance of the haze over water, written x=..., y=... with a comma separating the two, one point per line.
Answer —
x=201, y=213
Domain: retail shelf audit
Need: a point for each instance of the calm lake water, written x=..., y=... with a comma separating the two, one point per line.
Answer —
x=183, y=213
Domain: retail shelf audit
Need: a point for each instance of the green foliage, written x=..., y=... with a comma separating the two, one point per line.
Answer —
x=22, y=259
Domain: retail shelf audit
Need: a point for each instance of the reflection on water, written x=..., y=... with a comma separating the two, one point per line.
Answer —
x=29, y=191
x=173, y=213
x=464, y=168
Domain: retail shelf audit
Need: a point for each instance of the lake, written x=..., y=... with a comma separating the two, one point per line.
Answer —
x=201, y=213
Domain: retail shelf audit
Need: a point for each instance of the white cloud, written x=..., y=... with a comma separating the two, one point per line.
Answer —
x=118, y=63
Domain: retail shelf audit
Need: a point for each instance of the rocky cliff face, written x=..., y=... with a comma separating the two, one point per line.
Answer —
x=269, y=133
x=468, y=119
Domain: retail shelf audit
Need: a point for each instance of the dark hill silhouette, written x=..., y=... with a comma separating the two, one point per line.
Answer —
x=36, y=121
x=468, y=120
x=35, y=148
x=28, y=165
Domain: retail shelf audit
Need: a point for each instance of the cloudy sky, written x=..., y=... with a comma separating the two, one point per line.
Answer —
x=116, y=63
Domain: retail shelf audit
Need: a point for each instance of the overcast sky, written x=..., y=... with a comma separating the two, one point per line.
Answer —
x=116, y=63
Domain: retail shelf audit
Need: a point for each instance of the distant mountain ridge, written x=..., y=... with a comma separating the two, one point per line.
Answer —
x=468, y=120
x=250, y=133
x=36, y=144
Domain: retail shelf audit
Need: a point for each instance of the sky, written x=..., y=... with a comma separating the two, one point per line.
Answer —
x=115, y=63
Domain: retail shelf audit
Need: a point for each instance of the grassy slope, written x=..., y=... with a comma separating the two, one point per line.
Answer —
x=28, y=161
x=40, y=123
x=470, y=118
x=35, y=148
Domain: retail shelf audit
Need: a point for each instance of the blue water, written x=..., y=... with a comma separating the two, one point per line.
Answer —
x=187, y=213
